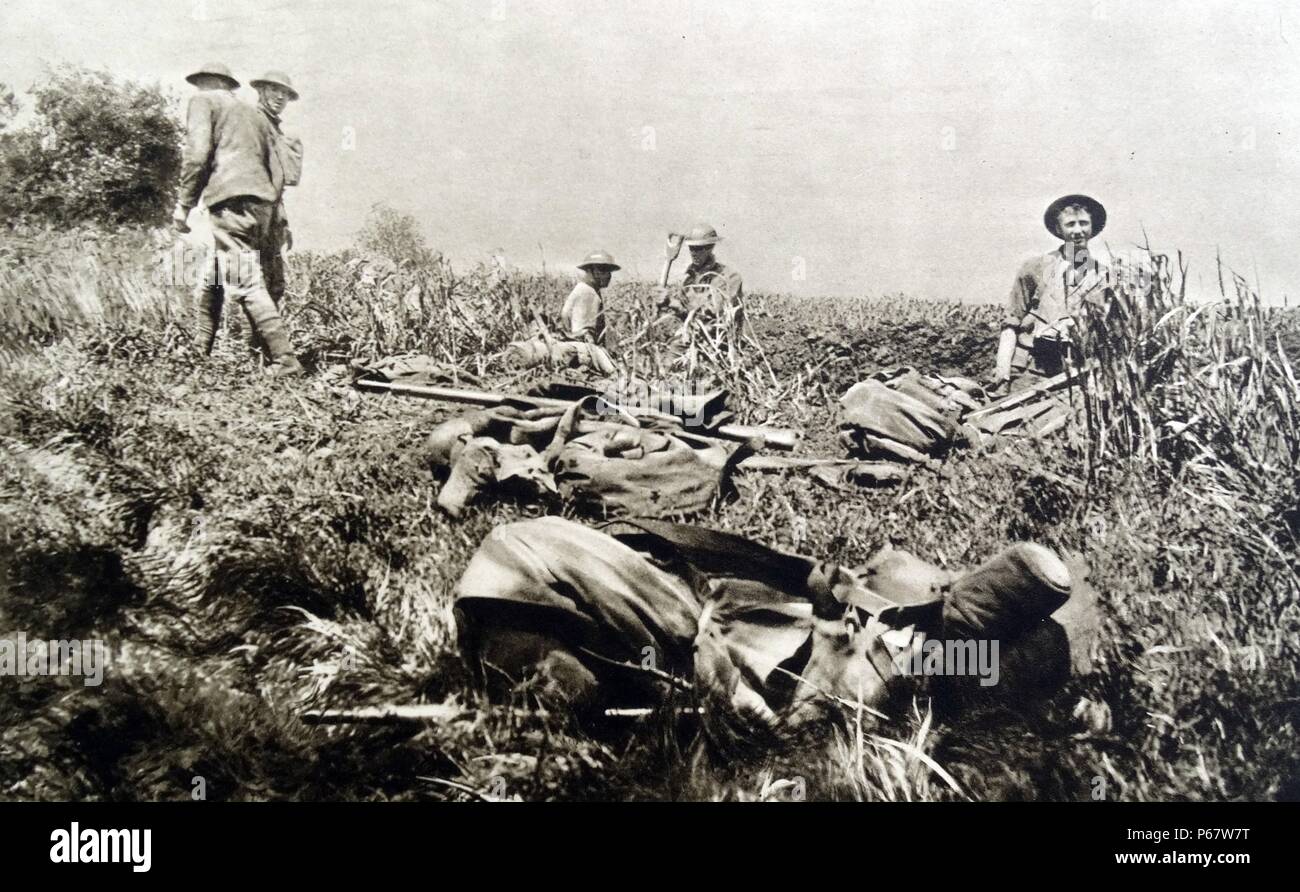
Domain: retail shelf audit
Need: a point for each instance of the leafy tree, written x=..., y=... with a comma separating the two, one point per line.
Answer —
x=98, y=149
x=396, y=236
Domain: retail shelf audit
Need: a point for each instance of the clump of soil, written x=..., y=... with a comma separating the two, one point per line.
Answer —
x=839, y=357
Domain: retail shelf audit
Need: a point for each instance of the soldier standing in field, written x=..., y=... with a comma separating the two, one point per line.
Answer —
x=212, y=77
x=583, y=314
x=1048, y=294
x=232, y=160
x=274, y=92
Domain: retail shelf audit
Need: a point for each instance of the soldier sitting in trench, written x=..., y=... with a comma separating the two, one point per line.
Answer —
x=1038, y=334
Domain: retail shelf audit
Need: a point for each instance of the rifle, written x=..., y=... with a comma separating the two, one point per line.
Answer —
x=775, y=437
x=1047, y=385
x=397, y=713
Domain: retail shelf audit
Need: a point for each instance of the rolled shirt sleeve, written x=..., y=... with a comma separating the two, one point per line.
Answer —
x=1024, y=295
x=582, y=314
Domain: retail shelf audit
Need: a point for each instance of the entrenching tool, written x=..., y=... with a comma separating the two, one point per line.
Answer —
x=673, y=248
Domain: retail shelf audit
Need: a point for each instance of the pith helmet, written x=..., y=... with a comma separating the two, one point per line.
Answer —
x=279, y=78
x=702, y=234
x=599, y=258
x=1095, y=210
x=215, y=69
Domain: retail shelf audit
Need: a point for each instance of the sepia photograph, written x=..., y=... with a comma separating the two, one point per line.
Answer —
x=476, y=401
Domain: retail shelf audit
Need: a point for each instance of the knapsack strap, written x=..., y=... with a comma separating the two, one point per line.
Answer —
x=716, y=553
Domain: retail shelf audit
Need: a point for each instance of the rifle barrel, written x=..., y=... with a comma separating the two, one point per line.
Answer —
x=1045, y=386
x=396, y=713
x=775, y=437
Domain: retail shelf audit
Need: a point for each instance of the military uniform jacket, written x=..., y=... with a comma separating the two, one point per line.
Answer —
x=231, y=149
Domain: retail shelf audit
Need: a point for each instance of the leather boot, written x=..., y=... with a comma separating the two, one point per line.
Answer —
x=287, y=366
x=207, y=320
x=271, y=329
x=284, y=362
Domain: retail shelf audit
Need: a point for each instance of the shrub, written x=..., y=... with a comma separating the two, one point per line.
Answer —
x=390, y=233
x=99, y=149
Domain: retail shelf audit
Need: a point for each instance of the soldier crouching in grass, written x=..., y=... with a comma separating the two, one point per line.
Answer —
x=708, y=287
x=1048, y=294
x=583, y=314
x=232, y=159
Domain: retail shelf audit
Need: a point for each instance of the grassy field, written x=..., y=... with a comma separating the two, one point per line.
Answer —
x=252, y=548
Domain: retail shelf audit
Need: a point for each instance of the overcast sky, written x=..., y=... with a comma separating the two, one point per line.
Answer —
x=870, y=147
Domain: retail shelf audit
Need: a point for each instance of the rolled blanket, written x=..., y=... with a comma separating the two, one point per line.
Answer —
x=615, y=469
x=897, y=416
x=565, y=354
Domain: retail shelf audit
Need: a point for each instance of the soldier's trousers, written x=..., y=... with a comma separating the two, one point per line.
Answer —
x=245, y=264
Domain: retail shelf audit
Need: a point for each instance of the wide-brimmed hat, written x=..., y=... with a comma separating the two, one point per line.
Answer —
x=279, y=78
x=702, y=234
x=215, y=69
x=1095, y=210
x=599, y=258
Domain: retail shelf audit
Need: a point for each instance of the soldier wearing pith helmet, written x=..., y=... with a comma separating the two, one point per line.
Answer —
x=213, y=76
x=708, y=286
x=275, y=91
x=232, y=161
x=583, y=315
x=215, y=80
x=1048, y=294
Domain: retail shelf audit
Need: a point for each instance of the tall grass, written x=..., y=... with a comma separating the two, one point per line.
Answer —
x=1207, y=387
x=55, y=283
x=258, y=549
x=1204, y=397
x=1193, y=439
x=346, y=305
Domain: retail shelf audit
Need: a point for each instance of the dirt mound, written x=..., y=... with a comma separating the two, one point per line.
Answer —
x=839, y=356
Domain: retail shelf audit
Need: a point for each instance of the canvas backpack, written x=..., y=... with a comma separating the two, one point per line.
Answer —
x=904, y=415
x=613, y=469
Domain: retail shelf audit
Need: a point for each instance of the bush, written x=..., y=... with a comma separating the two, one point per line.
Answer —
x=98, y=150
x=396, y=236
